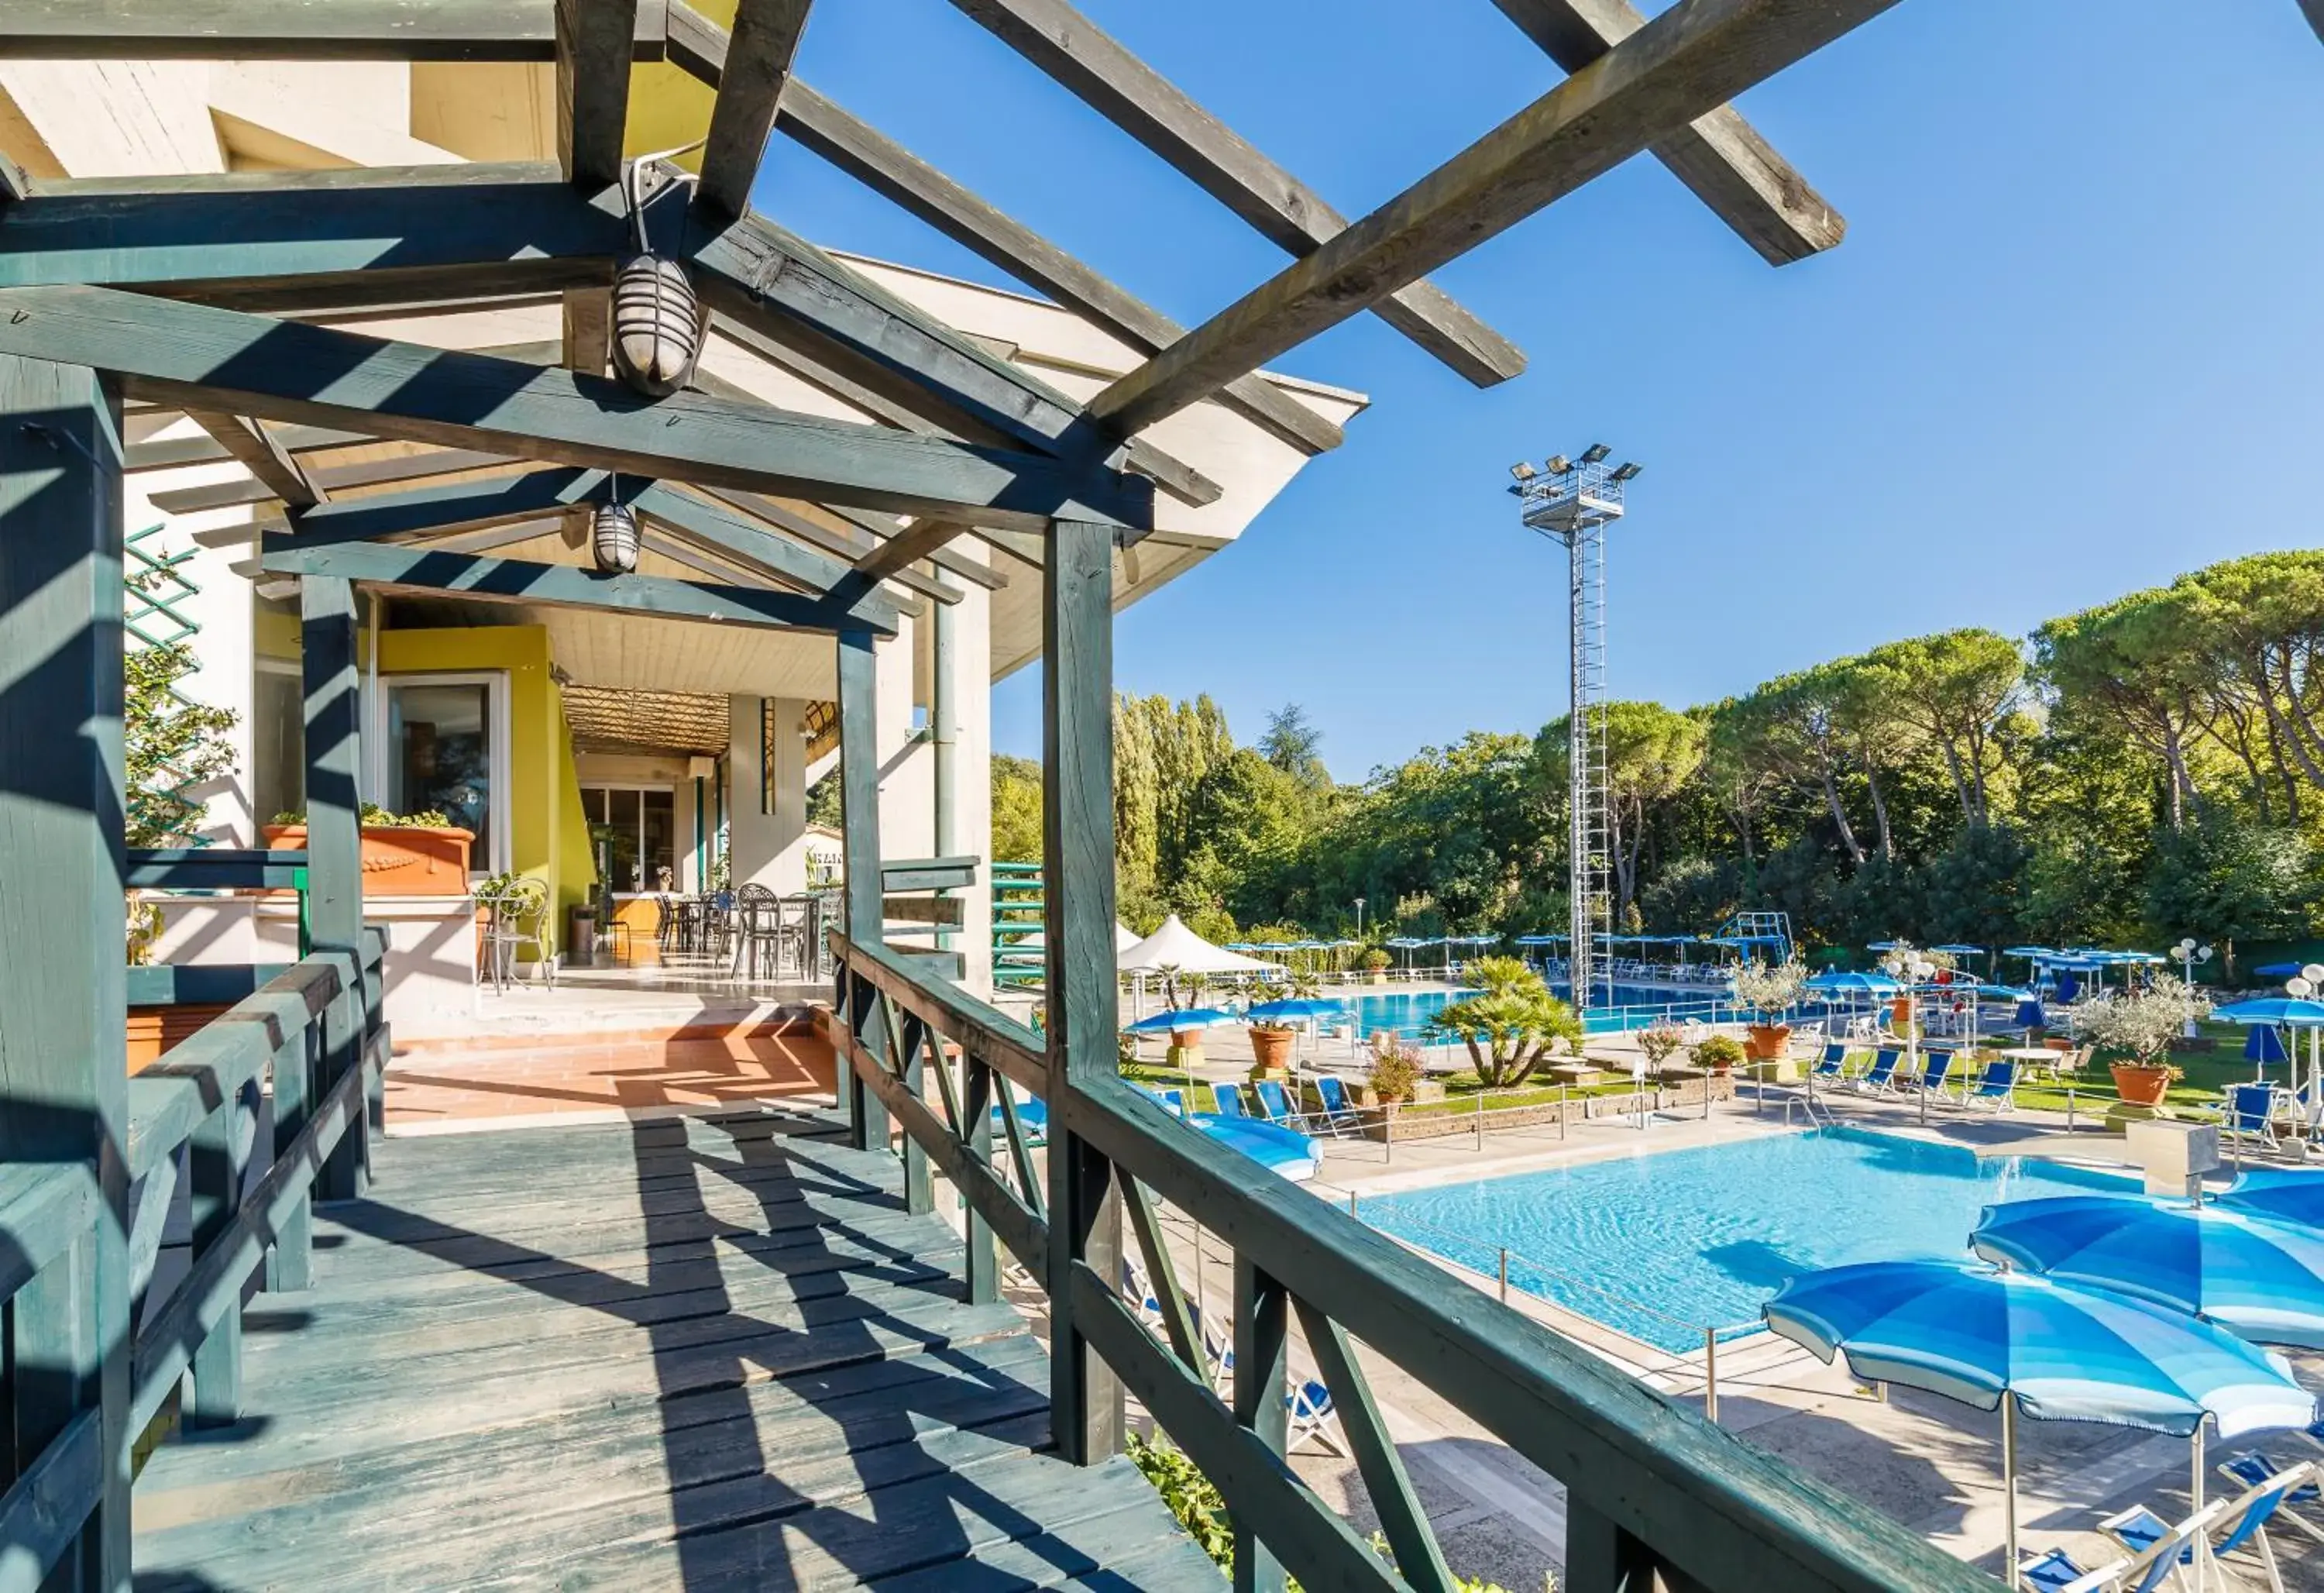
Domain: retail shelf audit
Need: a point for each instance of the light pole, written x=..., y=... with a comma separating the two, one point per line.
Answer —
x=2191, y=955
x=1360, y=918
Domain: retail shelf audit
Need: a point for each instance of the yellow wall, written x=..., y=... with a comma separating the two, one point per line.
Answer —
x=548, y=836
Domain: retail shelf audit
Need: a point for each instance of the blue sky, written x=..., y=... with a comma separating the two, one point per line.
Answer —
x=2073, y=343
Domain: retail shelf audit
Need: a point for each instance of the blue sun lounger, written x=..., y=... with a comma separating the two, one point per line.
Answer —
x=1339, y=1114
x=1228, y=1100
x=2246, y=1518
x=1996, y=1086
x=1935, y=1068
x=1831, y=1066
x=1274, y=1105
x=1880, y=1078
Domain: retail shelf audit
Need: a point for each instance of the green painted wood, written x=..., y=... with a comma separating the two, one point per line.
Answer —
x=419, y=231
x=850, y=543
x=180, y=354
x=1403, y=1521
x=1687, y=62
x=344, y=30
x=985, y=1030
x=1718, y=155
x=594, y=47
x=754, y=272
x=898, y=175
x=459, y=505
x=1083, y=1008
x=910, y=1034
x=560, y=586
x=929, y=874
x=42, y=1512
x=44, y=1206
x=217, y=1160
x=1601, y=1558
x=63, y=1066
x=329, y=667
x=255, y=448
x=167, y=984
x=728, y=530
x=1262, y=1341
x=859, y=789
x=225, y=494
x=1318, y=1544
x=267, y=1029
x=1162, y=1274
x=756, y=70
x=171, y=453
x=1082, y=57
x=210, y=869
x=974, y=1127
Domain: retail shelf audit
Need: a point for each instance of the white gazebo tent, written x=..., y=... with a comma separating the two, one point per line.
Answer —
x=1124, y=937
x=1174, y=946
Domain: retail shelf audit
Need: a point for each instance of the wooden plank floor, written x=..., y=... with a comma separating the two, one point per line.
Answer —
x=689, y=1353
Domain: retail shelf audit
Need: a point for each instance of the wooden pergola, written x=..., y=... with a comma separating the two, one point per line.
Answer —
x=193, y=295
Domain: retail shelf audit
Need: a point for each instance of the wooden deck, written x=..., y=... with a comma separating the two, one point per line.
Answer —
x=696, y=1354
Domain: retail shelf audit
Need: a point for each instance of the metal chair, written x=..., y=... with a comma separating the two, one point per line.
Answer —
x=759, y=913
x=518, y=918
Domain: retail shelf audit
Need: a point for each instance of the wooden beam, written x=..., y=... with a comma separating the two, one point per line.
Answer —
x=173, y=453
x=1718, y=155
x=196, y=356
x=344, y=30
x=445, y=231
x=465, y=506
x=758, y=65
x=1690, y=59
x=1159, y=115
x=738, y=535
x=893, y=172
x=848, y=544
x=331, y=478
x=556, y=585
x=859, y=824
x=908, y=546
x=261, y=454
x=2314, y=11
x=593, y=44
x=753, y=272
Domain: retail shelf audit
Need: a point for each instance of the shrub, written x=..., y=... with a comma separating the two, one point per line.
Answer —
x=1192, y=1497
x=2142, y=1024
x=1720, y=1051
x=1509, y=1025
x=1376, y=961
x=1396, y=1068
x=1660, y=1040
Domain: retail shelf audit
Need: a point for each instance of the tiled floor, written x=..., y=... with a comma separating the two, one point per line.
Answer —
x=622, y=1075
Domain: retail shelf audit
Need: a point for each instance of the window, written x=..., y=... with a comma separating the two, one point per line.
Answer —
x=633, y=833
x=443, y=745
x=278, y=738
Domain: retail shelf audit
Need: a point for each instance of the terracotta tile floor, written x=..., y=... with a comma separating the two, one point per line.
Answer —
x=447, y=1086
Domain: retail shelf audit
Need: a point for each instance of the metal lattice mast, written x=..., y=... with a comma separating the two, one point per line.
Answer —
x=1573, y=502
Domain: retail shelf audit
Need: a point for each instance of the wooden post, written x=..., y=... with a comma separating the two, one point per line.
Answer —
x=1077, y=847
x=1601, y=1558
x=859, y=794
x=328, y=657
x=1262, y=1335
x=64, y=1070
x=220, y=1159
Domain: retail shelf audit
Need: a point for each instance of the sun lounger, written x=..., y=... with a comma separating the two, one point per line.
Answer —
x=2258, y=1112
x=1274, y=1105
x=1227, y=1098
x=1338, y=1115
x=2244, y=1518
x=1312, y=1414
x=2254, y=1469
x=1880, y=1078
x=1936, y=1068
x=1995, y=1088
x=2058, y=1572
x=1032, y=1117
x=2143, y=1571
x=1832, y=1066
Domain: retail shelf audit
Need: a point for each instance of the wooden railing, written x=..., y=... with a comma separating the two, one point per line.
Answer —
x=315, y=1033
x=1654, y=1493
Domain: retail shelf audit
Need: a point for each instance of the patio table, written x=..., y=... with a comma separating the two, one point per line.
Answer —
x=2036, y=1056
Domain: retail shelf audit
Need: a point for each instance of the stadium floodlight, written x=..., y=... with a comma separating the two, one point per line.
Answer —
x=1627, y=470
x=1559, y=463
x=1522, y=471
x=1595, y=454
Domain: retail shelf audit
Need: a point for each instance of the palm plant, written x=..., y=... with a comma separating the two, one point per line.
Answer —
x=1510, y=1024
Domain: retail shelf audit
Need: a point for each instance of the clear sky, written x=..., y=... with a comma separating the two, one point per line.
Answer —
x=2073, y=343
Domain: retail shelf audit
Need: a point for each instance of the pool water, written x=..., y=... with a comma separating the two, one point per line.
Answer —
x=1405, y=1012
x=1662, y=1245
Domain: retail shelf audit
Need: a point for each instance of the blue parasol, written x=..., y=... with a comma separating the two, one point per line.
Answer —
x=1295, y=1009
x=2266, y=1045
x=2289, y=1194
x=1171, y=1022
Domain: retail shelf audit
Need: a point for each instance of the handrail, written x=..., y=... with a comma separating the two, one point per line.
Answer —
x=1648, y=1479
x=316, y=1032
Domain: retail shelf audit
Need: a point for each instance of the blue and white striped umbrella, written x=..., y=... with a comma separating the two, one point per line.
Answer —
x=1171, y=1022
x=1294, y=1009
x=2259, y=1278
x=1972, y=1333
x=2288, y=1194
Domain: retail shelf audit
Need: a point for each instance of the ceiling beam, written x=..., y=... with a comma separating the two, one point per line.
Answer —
x=2314, y=11
x=894, y=173
x=752, y=272
x=175, y=453
x=1718, y=155
x=850, y=545
x=757, y=67
x=194, y=355
x=560, y=586
x=343, y=29
x=1159, y=115
x=464, y=505
x=725, y=531
x=593, y=41
x=331, y=478
x=447, y=231
x=1690, y=59
x=261, y=454
x=909, y=546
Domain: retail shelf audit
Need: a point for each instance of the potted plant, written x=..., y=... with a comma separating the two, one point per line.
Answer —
x=1659, y=1041
x=422, y=854
x=1395, y=1077
x=1375, y=963
x=2133, y=1032
x=1769, y=991
x=1510, y=1024
x=1271, y=1043
x=1719, y=1054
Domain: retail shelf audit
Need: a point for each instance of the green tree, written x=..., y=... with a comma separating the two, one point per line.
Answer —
x=2223, y=880
x=1955, y=688
x=1510, y=1024
x=2136, y=664
x=1651, y=754
x=170, y=746
x=1016, y=810
x=1294, y=745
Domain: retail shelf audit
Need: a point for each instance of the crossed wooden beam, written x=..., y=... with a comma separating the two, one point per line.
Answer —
x=172, y=283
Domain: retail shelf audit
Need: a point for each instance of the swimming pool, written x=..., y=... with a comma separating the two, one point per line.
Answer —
x=1406, y=1012
x=1705, y=1236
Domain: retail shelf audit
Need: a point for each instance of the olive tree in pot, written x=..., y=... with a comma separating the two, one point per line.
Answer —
x=2134, y=1030
x=1769, y=991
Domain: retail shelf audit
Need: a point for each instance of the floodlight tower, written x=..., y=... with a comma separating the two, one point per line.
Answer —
x=1572, y=501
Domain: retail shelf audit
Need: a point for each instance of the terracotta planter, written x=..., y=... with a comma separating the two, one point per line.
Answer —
x=1768, y=1042
x=1270, y=1049
x=398, y=861
x=153, y=1030
x=1186, y=1050
x=2141, y=1087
